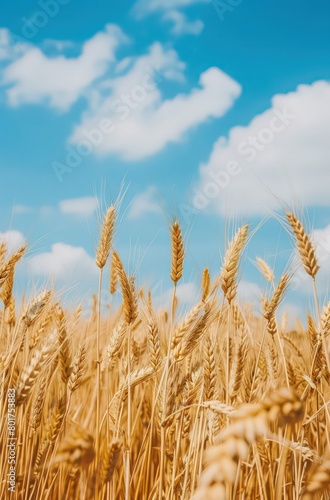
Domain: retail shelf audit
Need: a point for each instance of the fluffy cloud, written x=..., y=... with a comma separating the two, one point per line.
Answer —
x=186, y=293
x=281, y=155
x=144, y=203
x=5, y=51
x=145, y=7
x=63, y=262
x=85, y=206
x=181, y=25
x=126, y=114
x=11, y=46
x=142, y=122
x=249, y=293
x=14, y=239
x=35, y=78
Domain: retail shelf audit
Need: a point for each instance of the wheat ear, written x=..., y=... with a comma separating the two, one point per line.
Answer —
x=229, y=272
x=304, y=244
x=3, y=251
x=249, y=422
x=206, y=281
x=11, y=262
x=113, y=277
x=319, y=482
x=104, y=247
x=128, y=291
x=177, y=252
x=109, y=462
x=78, y=368
x=64, y=345
x=32, y=371
x=36, y=307
x=265, y=270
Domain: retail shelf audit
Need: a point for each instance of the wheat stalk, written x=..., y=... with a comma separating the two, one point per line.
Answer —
x=249, y=422
x=266, y=270
x=32, y=371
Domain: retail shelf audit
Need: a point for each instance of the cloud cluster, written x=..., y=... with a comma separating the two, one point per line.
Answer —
x=144, y=123
x=143, y=8
x=281, y=156
x=13, y=238
x=144, y=203
x=187, y=295
x=126, y=112
x=59, y=81
x=63, y=262
x=84, y=206
x=11, y=47
x=182, y=25
x=169, y=10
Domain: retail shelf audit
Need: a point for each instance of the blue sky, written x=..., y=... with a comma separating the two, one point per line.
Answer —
x=203, y=79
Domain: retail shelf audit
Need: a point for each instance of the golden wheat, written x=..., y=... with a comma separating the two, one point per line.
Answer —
x=152, y=403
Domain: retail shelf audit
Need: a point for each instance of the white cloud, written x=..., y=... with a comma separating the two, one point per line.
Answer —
x=60, y=81
x=292, y=165
x=143, y=124
x=181, y=25
x=47, y=211
x=145, y=7
x=11, y=46
x=63, y=262
x=21, y=209
x=85, y=206
x=289, y=312
x=144, y=203
x=187, y=295
x=249, y=293
x=58, y=45
x=125, y=93
x=13, y=238
x=4, y=44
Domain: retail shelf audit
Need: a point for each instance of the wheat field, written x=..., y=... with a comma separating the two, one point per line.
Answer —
x=146, y=403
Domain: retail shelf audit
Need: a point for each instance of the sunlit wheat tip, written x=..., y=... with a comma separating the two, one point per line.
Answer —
x=177, y=252
x=304, y=244
x=103, y=250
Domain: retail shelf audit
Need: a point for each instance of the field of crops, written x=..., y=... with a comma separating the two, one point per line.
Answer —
x=147, y=403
